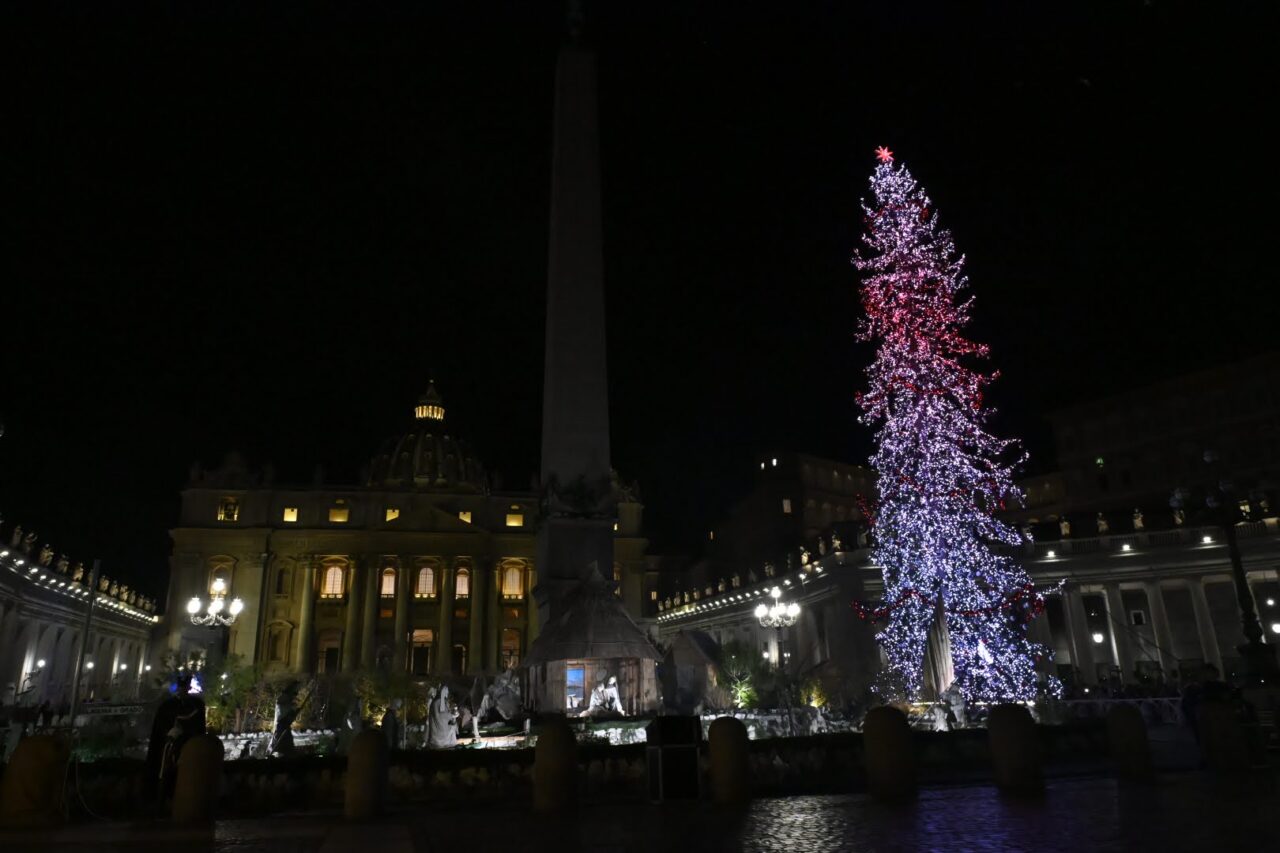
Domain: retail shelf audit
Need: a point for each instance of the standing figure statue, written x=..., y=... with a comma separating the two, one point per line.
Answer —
x=282, y=727
x=443, y=733
x=391, y=727
x=1064, y=527
x=46, y=555
x=1103, y=525
x=1138, y=522
x=17, y=536
x=1179, y=517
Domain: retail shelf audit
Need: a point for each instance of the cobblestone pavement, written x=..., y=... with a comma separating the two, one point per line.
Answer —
x=1183, y=812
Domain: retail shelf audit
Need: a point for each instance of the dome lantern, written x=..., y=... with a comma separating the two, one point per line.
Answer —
x=430, y=405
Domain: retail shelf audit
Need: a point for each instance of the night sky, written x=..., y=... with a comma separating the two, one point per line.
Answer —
x=223, y=232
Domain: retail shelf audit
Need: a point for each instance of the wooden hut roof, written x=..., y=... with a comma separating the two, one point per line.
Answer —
x=593, y=624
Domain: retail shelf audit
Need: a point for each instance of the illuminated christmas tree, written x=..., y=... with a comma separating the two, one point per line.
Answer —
x=941, y=476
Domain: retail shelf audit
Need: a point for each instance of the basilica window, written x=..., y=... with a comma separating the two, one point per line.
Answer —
x=290, y=514
x=426, y=586
x=334, y=582
x=229, y=509
x=339, y=513
x=786, y=506
x=513, y=581
x=515, y=519
x=393, y=512
x=465, y=515
x=388, y=583
x=462, y=584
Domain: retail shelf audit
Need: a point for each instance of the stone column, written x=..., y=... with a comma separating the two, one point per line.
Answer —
x=306, y=624
x=1204, y=625
x=351, y=635
x=1121, y=646
x=444, y=638
x=493, y=653
x=372, y=603
x=531, y=608
x=404, y=597
x=1079, y=635
x=476, y=613
x=1167, y=654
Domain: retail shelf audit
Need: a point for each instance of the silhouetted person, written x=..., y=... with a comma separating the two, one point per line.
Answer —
x=178, y=718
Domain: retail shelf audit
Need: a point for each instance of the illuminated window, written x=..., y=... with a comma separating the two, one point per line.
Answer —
x=426, y=587
x=228, y=509
x=653, y=595
x=786, y=506
x=340, y=513
x=334, y=582
x=291, y=513
x=388, y=583
x=615, y=527
x=512, y=582
x=465, y=515
x=617, y=580
x=392, y=513
x=515, y=519
x=462, y=584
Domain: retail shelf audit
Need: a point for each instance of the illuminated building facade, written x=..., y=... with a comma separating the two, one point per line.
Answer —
x=423, y=567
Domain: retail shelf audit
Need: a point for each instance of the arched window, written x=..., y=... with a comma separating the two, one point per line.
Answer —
x=388, y=583
x=513, y=581
x=334, y=582
x=426, y=587
x=462, y=585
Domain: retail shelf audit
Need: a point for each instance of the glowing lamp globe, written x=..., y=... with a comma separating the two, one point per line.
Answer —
x=193, y=606
x=761, y=611
x=219, y=586
x=215, y=606
x=236, y=606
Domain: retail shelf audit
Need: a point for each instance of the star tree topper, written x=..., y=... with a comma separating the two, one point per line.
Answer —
x=884, y=155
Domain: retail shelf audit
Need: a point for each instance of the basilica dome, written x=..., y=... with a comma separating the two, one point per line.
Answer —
x=426, y=456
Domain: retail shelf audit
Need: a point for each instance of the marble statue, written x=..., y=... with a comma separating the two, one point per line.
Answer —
x=46, y=555
x=822, y=547
x=17, y=537
x=61, y=564
x=103, y=584
x=391, y=727
x=1179, y=517
x=502, y=696
x=804, y=556
x=605, y=698
x=1064, y=527
x=440, y=720
x=1138, y=522
x=282, y=726
x=720, y=587
x=1103, y=526
x=752, y=577
x=29, y=542
x=77, y=574
x=836, y=544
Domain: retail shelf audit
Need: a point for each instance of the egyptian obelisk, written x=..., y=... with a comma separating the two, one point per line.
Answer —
x=579, y=509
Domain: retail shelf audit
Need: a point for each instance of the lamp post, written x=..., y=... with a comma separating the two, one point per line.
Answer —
x=213, y=613
x=779, y=615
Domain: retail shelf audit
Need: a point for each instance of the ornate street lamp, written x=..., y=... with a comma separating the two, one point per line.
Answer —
x=779, y=615
x=213, y=614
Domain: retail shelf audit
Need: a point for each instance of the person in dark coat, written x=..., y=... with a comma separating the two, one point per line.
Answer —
x=180, y=717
